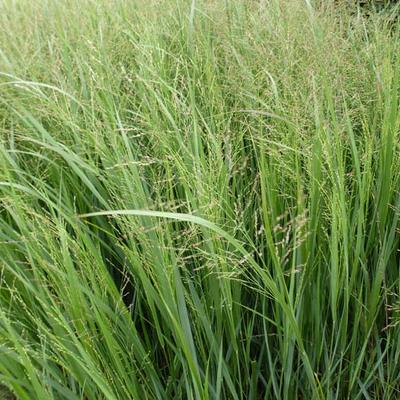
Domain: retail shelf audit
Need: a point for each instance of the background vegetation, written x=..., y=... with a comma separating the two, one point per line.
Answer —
x=199, y=200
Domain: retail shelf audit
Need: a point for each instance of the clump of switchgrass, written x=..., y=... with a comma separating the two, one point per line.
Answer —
x=198, y=201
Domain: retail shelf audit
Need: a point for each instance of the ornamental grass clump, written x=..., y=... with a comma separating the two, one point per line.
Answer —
x=199, y=200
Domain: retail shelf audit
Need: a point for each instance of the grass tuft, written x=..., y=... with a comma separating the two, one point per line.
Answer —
x=199, y=200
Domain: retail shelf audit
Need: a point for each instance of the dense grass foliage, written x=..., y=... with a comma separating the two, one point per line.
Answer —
x=199, y=200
